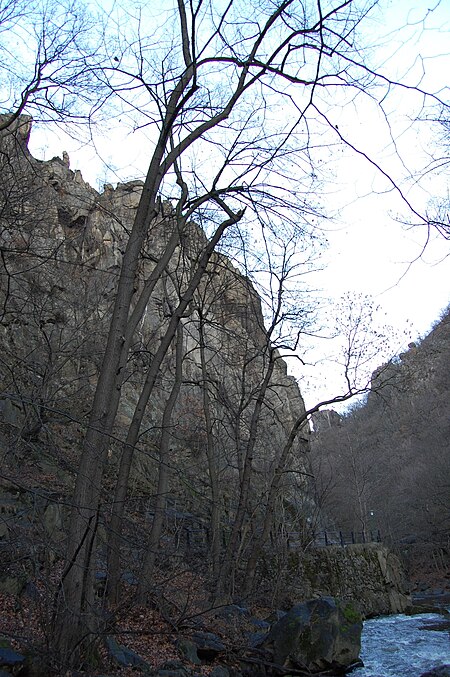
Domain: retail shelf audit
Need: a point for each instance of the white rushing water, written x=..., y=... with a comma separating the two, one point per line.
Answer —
x=398, y=646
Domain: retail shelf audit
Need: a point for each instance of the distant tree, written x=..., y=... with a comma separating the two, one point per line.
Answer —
x=390, y=457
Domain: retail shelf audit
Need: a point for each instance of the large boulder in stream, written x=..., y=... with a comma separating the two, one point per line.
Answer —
x=438, y=671
x=317, y=635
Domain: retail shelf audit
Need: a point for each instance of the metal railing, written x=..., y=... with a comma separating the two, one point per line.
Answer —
x=342, y=538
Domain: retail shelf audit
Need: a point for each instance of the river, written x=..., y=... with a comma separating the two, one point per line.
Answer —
x=399, y=646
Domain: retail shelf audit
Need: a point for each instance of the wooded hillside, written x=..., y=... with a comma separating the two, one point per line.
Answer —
x=385, y=465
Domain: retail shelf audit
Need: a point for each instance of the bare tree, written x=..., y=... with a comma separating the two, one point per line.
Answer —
x=438, y=218
x=50, y=53
x=208, y=90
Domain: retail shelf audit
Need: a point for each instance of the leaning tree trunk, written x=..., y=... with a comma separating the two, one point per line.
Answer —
x=116, y=523
x=74, y=621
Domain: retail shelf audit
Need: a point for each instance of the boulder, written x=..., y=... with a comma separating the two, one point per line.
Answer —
x=317, y=635
x=220, y=671
x=209, y=645
x=438, y=671
x=418, y=609
x=10, y=658
x=12, y=585
x=173, y=669
x=188, y=650
x=232, y=611
x=124, y=656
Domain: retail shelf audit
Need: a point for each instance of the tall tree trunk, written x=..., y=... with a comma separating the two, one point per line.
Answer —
x=115, y=530
x=75, y=599
x=116, y=522
x=163, y=473
x=211, y=453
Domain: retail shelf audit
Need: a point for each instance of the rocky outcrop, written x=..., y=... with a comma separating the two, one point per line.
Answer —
x=325, y=419
x=83, y=235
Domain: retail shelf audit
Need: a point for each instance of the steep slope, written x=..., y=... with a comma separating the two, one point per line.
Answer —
x=61, y=244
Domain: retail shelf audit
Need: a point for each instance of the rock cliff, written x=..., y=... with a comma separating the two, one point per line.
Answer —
x=62, y=244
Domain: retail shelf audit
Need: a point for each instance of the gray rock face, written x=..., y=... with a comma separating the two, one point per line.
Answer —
x=64, y=249
x=88, y=231
x=316, y=635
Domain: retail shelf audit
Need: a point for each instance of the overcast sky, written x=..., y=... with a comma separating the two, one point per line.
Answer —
x=370, y=251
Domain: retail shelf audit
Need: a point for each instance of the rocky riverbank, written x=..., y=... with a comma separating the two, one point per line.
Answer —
x=318, y=637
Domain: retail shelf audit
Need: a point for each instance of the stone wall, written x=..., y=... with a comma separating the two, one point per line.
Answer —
x=369, y=576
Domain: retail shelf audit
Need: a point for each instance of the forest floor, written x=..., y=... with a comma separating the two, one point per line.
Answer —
x=147, y=631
